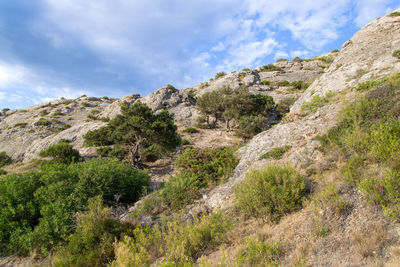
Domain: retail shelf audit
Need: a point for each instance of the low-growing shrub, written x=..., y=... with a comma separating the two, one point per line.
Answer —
x=210, y=164
x=266, y=82
x=276, y=153
x=270, y=192
x=282, y=83
x=271, y=67
x=43, y=122
x=92, y=242
x=220, y=75
x=190, y=130
x=394, y=14
x=86, y=104
x=317, y=102
x=20, y=124
x=396, y=54
x=258, y=253
x=170, y=86
x=61, y=152
x=181, y=190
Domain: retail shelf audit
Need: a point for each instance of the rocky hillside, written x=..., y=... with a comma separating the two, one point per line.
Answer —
x=336, y=225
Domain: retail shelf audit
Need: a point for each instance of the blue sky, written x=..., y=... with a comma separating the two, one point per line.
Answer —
x=65, y=48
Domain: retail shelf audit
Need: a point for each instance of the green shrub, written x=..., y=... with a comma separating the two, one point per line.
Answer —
x=316, y=102
x=284, y=105
x=185, y=142
x=276, y=153
x=36, y=208
x=92, y=242
x=184, y=243
x=282, y=59
x=181, y=190
x=204, y=85
x=297, y=59
x=335, y=51
x=209, y=164
x=271, y=67
x=266, y=82
x=300, y=85
x=4, y=159
x=326, y=59
x=20, y=124
x=384, y=192
x=282, y=83
x=396, y=54
x=61, y=152
x=190, y=130
x=219, y=75
x=43, y=122
x=169, y=86
x=177, y=242
x=270, y=192
x=105, y=119
x=2, y=172
x=258, y=253
x=249, y=126
x=86, y=104
x=394, y=14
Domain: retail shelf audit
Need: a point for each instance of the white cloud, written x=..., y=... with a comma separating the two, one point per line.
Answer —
x=23, y=86
x=368, y=10
x=281, y=54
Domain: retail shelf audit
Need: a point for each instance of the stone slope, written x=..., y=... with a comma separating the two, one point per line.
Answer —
x=378, y=39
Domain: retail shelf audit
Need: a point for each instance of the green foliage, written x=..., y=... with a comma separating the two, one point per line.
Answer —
x=282, y=83
x=86, y=104
x=284, y=105
x=105, y=119
x=178, y=242
x=384, y=192
x=204, y=85
x=36, y=208
x=20, y=124
x=190, y=130
x=248, y=126
x=394, y=14
x=368, y=135
x=219, y=75
x=197, y=168
x=169, y=86
x=316, y=102
x=139, y=131
x=266, y=82
x=4, y=159
x=270, y=192
x=185, y=243
x=282, y=59
x=43, y=122
x=276, y=153
x=335, y=51
x=396, y=54
x=258, y=253
x=185, y=142
x=326, y=59
x=230, y=105
x=271, y=67
x=300, y=85
x=297, y=59
x=181, y=190
x=61, y=152
x=208, y=164
x=92, y=242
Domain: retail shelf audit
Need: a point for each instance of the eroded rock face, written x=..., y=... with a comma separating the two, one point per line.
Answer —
x=367, y=55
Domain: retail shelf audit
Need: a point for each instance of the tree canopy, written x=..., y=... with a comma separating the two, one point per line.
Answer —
x=139, y=130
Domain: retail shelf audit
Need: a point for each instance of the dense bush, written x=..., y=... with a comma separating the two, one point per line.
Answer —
x=36, y=208
x=220, y=75
x=4, y=159
x=61, y=152
x=92, y=242
x=270, y=192
x=197, y=168
x=179, y=242
x=190, y=130
x=258, y=253
x=208, y=164
x=271, y=67
x=396, y=54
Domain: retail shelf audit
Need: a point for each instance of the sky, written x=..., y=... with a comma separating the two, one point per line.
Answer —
x=66, y=48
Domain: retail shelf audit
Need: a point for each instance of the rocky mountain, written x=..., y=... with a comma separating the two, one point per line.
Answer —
x=367, y=56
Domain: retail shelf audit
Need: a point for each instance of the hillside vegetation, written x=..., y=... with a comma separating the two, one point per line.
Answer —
x=304, y=168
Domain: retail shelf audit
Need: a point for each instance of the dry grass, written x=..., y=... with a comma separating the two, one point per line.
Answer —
x=368, y=242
